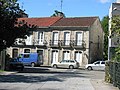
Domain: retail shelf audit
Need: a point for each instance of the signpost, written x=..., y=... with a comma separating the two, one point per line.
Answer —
x=115, y=41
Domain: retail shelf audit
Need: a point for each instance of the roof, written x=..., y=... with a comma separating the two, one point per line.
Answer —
x=41, y=22
x=59, y=21
x=116, y=3
x=77, y=21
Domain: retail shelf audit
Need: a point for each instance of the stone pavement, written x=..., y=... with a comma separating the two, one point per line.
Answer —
x=68, y=84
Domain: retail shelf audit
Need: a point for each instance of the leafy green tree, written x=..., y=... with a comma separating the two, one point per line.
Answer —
x=115, y=30
x=104, y=23
x=115, y=25
x=10, y=29
x=58, y=14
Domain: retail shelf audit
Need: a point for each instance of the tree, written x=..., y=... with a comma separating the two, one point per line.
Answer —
x=115, y=30
x=104, y=23
x=10, y=28
x=115, y=25
x=58, y=14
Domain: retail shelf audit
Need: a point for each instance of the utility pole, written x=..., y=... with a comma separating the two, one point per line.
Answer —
x=61, y=5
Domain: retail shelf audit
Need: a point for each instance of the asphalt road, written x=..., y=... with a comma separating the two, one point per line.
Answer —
x=43, y=78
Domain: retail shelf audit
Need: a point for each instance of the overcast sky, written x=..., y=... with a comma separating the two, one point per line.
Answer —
x=71, y=8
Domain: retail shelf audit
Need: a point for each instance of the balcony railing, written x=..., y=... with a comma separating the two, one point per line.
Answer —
x=67, y=43
x=39, y=42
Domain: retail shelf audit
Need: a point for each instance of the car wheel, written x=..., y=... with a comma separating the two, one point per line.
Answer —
x=71, y=67
x=54, y=66
x=89, y=68
x=32, y=64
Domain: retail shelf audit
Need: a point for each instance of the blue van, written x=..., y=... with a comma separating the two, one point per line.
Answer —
x=33, y=59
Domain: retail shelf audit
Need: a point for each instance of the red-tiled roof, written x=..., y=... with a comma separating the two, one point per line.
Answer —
x=41, y=22
x=77, y=21
x=59, y=21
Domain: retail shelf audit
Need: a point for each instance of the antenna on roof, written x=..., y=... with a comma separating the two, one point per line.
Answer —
x=22, y=5
x=61, y=5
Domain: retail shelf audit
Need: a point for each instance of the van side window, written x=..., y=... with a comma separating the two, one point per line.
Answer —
x=26, y=56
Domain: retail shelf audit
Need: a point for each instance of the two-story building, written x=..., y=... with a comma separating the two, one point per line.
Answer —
x=113, y=40
x=58, y=38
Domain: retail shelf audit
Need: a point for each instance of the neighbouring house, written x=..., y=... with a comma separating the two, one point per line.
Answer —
x=58, y=38
x=113, y=40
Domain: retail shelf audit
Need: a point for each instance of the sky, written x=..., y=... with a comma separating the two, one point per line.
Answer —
x=71, y=8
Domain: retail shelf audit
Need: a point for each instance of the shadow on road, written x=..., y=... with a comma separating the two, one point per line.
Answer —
x=33, y=75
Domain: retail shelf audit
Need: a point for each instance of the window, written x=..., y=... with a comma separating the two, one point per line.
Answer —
x=15, y=53
x=71, y=61
x=26, y=56
x=102, y=62
x=67, y=38
x=79, y=38
x=26, y=50
x=66, y=55
x=97, y=62
x=55, y=38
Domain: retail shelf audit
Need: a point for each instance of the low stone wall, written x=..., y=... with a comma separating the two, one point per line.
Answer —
x=112, y=73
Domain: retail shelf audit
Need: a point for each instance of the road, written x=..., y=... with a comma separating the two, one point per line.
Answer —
x=43, y=78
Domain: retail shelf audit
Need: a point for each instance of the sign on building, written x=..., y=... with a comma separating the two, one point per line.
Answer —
x=115, y=41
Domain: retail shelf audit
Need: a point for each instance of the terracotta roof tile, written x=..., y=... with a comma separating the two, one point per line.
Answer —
x=77, y=21
x=41, y=22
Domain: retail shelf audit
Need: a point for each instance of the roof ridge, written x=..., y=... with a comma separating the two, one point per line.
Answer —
x=84, y=17
x=56, y=21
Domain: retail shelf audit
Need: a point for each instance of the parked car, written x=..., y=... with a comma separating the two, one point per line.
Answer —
x=66, y=64
x=15, y=64
x=98, y=65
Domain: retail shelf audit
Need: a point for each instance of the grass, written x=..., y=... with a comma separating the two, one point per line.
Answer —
x=2, y=71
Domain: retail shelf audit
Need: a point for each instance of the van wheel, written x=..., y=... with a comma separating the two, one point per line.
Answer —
x=32, y=64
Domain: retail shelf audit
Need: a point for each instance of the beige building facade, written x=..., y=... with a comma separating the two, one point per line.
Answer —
x=78, y=38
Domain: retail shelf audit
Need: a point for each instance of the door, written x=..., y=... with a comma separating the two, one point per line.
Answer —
x=66, y=55
x=102, y=65
x=55, y=38
x=64, y=64
x=67, y=38
x=78, y=57
x=26, y=59
x=40, y=56
x=15, y=53
x=79, y=38
x=54, y=56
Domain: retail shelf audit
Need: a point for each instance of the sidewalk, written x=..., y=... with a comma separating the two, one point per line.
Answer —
x=102, y=85
x=8, y=72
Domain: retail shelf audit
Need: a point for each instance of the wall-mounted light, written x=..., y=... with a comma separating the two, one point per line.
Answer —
x=115, y=8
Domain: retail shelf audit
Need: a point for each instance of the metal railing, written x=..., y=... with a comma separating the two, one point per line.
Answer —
x=39, y=42
x=67, y=43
